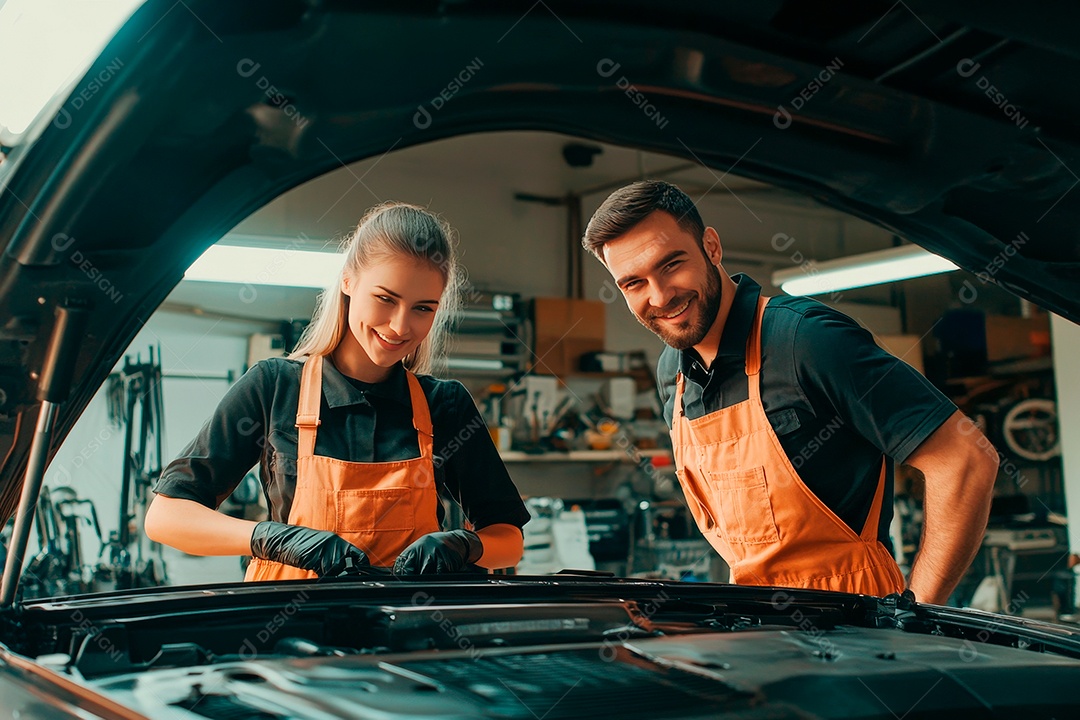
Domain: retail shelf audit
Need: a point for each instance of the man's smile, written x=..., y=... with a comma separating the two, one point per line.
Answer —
x=677, y=312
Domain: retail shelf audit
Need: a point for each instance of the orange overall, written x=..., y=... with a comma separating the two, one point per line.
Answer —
x=751, y=505
x=380, y=507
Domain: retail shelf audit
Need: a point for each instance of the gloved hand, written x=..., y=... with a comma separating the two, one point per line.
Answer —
x=321, y=551
x=440, y=552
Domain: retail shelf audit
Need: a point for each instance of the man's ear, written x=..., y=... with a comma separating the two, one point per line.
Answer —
x=710, y=241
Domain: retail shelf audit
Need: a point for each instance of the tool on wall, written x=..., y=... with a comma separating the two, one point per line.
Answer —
x=59, y=567
x=136, y=404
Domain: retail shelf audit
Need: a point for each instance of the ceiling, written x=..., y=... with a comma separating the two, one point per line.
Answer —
x=317, y=214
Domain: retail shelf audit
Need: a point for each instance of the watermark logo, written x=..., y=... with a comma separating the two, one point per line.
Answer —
x=967, y=68
x=782, y=242
x=968, y=292
x=87, y=451
x=423, y=117
x=446, y=625
x=782, y=117
x=248, y=650
x=62, y=242
x=95, y=634
x=86, y=93
x=609, y=292
x=247, y=68
x=609, y=650
x=782, y=601
x=1006, y=466
x=968, y=651
x=817, y=442
x=607, y=68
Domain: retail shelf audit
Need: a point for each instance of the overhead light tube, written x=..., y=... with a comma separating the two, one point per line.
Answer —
x=874, y=268
x=286, y=267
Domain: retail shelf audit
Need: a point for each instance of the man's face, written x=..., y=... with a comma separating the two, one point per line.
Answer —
x=671, y=286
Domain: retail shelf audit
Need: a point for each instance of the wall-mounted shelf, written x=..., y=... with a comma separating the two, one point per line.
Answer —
x=488, y=336
x=616, y=455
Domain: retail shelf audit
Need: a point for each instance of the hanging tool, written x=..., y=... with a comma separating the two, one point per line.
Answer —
x=138, y=384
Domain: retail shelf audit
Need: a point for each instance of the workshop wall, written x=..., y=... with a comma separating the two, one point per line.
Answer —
x=513, y=245
x=507, y=245
x=1066, y=352
x=90, y=461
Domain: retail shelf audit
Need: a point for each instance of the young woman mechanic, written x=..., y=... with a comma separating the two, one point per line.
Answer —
x=353, y=442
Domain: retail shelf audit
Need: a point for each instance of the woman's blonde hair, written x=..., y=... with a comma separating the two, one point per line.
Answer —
x=392, y=229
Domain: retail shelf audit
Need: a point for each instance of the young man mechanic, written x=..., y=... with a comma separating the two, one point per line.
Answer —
x=784, y=415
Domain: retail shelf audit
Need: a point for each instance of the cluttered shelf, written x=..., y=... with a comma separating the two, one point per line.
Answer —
x=617, y=455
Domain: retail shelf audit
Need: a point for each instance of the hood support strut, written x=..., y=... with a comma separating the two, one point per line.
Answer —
x=54, y=384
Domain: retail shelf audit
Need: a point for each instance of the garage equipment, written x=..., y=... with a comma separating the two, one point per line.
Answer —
x=135, y=392
x=59, y=567
x=54, y=385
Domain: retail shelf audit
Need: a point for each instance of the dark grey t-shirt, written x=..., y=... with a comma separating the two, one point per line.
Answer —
x=836, y=401
x=360, y=422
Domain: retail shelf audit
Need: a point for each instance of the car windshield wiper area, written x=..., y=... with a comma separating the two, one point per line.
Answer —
x=547, y=646
x=346, y=616
x=767, y=670
x=206, y=625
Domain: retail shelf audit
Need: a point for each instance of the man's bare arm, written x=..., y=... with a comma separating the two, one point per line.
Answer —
x=960, y=466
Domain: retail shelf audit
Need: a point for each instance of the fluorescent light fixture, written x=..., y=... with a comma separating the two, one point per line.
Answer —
x=44, y=46
x=286, y=267
x=874, y=268
x=474, y=364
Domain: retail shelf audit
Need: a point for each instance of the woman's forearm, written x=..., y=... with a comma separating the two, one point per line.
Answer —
x=503, y=546
x=196, y=529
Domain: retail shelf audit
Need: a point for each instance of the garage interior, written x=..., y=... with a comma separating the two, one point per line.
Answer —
x=564, y=374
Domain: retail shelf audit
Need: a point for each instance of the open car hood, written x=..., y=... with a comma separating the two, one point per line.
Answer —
x=127, y=188
x=531, y=647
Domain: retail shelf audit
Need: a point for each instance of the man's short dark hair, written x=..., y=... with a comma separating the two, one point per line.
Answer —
x=628, y=206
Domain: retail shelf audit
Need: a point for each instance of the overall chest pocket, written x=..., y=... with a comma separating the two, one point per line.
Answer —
x=743, y=508
x=376, y=510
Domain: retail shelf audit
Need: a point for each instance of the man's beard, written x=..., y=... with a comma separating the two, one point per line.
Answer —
x=686, y=334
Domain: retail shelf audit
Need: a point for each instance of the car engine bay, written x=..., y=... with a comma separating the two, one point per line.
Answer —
x=546, y=648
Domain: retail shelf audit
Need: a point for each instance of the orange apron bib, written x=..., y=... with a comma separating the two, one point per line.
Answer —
x=751, y=505
x=380, y=507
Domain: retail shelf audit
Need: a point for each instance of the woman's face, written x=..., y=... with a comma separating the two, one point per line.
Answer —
x=392, y=305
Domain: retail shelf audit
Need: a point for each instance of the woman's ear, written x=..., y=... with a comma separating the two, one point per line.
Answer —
x=345, y=283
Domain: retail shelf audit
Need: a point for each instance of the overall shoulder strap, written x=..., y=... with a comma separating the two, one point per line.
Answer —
x=307, y=412
x=753, y=350
x=421, y=415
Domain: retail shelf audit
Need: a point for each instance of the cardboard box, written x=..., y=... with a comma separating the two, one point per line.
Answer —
x=565, y=329
x=1010, y=338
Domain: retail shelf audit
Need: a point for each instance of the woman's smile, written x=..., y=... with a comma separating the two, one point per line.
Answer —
x=387, y=342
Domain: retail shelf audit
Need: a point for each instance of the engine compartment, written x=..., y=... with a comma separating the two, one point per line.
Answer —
x=547, y=649
x=766, y=672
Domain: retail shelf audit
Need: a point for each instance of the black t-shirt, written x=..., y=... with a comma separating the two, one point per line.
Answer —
x=835, y=399
x=360, y=422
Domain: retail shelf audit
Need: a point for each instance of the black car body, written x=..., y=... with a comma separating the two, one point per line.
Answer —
x=213, y=109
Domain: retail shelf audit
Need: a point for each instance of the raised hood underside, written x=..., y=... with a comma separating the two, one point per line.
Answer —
x=183, y=142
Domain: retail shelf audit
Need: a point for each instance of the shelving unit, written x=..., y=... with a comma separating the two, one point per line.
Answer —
x=489, y=338
x=616, y=455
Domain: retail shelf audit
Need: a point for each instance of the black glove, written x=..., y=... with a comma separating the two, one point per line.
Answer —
x=321, y=551
x=440, y=552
